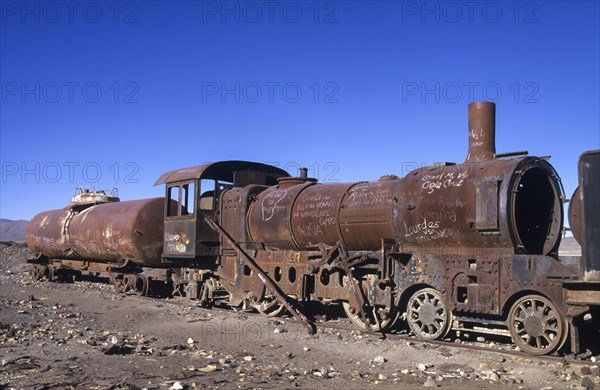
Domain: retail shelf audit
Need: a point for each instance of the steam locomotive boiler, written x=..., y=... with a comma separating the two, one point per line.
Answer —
x=470, y=245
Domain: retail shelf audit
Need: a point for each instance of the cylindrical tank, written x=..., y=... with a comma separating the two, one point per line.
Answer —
x=299, y=215
x=107, y=232
x=512, y=204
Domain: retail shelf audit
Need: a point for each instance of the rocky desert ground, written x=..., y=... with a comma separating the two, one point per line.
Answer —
x=83, y=335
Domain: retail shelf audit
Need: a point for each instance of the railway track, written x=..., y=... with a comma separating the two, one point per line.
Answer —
x=584, y=359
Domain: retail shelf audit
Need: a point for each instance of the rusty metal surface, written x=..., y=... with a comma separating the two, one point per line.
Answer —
x=575, y=215
x=482, y=132
x=512, y=204
x=589, y=172
x=269, y=217
x=110, y=232
x=272, y=287
x=315, y=215
x=235, y=202
x=238, y=172
x=494, y=204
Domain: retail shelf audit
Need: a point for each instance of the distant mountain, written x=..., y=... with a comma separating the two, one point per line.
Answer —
x=569, y=247
x=12, y=230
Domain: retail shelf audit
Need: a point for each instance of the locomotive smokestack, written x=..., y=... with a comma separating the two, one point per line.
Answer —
x=482, y=132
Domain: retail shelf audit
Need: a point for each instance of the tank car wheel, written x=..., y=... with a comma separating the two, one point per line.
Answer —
x=427, y=315
x=536, y=326
x=269, y=307
x=142, y=285
x=37, y=272
x=49, y=272
x=119, y=284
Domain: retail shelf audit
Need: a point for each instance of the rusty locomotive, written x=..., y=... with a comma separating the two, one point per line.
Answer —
x=471, y=245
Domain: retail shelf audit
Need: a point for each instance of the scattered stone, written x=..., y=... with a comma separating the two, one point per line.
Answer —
x=248, y=358
x=117, y=349
x=190, y=341
x=209, y=368
x=587, y=383
x=430, y=382
x=379, y=360
x=177, y=386
x=306, y=349
x=595, y=370
x=451, y=368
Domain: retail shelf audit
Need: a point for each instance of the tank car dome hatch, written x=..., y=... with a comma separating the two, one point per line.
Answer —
x=87, y=197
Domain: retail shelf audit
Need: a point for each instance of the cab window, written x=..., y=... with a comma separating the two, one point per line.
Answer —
x=207, y=196
x=181, y=200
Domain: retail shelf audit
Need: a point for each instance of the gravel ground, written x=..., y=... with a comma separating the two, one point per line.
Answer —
x=83, y=335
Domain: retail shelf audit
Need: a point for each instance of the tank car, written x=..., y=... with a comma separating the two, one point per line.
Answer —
x=471, y=245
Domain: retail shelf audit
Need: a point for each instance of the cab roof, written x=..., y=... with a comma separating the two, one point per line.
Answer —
x=239, y=173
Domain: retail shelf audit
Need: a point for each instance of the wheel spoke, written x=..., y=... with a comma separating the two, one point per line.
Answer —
x=533, y=305
x=553, y=328
x=523, y=309
x=547, y=338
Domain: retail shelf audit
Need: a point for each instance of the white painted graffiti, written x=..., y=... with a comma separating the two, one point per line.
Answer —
x=443, y=180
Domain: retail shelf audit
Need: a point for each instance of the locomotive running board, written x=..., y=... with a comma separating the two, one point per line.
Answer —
x=272, y=287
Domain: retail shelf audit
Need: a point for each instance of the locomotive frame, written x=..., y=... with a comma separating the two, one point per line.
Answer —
x=452, y=246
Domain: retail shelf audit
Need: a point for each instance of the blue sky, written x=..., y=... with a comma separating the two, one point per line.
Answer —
x=112, y=94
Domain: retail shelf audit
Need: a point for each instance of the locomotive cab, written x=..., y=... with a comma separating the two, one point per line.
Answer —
x=192, y=195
